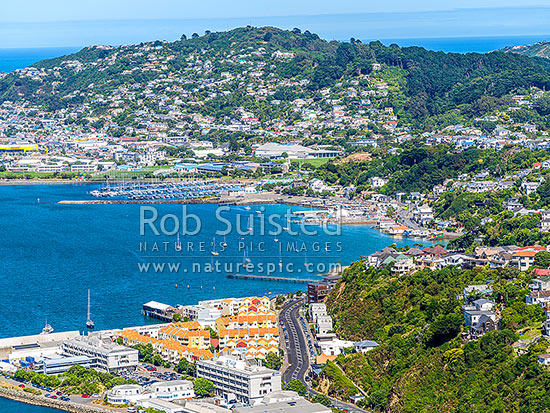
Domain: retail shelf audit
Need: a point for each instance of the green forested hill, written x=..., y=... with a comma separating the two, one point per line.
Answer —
x=421, y=84
x=422, y=363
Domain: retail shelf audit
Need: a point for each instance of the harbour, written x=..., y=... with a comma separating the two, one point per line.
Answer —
x=70, y=243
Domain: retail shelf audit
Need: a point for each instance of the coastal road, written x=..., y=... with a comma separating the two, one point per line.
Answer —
x=299, y=346
x=404, y=218
x=296, y=345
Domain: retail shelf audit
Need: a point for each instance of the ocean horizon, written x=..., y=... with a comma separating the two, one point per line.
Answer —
x=19, y=58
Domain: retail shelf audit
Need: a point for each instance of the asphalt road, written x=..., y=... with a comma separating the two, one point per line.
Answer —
x=295, y=335
x=295, y=342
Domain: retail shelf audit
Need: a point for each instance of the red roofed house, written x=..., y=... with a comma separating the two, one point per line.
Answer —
x=435, y=252
x=541, y=272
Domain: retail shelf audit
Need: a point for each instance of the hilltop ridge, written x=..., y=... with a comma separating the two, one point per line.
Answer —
x=540, y=49
x=264, y=72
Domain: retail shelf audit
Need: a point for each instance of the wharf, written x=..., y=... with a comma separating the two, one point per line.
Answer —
x=270, y=278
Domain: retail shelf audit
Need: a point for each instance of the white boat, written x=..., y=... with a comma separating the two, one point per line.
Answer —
x=178, y=243
x=214, y=252
x=48, y=329
x=89, y=323
x=246, y=260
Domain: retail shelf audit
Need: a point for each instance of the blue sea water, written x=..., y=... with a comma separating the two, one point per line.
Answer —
x=11, y=59
x=10, y=406
x=52, y=253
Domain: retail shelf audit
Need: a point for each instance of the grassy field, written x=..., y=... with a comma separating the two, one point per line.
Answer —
x=38, y=175
x=316, y=163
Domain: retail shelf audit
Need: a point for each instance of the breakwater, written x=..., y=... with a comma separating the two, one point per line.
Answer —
x=166, y=201
x=24, y=397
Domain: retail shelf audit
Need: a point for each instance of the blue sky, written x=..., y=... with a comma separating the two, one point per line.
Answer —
x=62, y=10
x=77, y=23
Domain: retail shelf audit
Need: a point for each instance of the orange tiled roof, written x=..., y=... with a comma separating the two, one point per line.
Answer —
x=243, y=332
x=133, y=335
x=525, y=253
x=175, y=346
x=323, y=358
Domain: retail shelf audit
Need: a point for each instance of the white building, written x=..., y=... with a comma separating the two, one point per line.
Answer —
x=545, y=221
x=166, y=390
x=529, y=187
x=150, y=157
x=377, y=182
x=162, y=405
x=197, y=406
x=323, y=324
x=249, y=381
x=84, y=168
x=104, y=354
x=207, y=317
x=316, y=185
x=403, y=266
x=287, y=402
x=316, y=309
x=423, y=215
x=332, y=346
x=173, y=390
x=126, y=393
x=276, y=150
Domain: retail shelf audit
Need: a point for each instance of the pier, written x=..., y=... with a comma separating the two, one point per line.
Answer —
x=270, y=278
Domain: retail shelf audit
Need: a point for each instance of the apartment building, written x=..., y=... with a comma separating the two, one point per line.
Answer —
x=243, y=377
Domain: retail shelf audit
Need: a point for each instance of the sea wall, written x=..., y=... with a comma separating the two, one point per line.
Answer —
x=24, y=397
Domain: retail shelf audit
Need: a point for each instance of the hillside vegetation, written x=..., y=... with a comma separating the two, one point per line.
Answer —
x=425, y=88
x=422, y=362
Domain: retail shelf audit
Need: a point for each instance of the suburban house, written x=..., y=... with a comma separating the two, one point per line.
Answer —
x=365, y=345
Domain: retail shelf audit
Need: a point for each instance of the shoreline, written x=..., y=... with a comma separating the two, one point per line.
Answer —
x=47, y=182
x=28, y=398
x=266, y=200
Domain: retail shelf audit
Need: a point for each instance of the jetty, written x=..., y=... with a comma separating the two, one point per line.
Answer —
x=270, y=278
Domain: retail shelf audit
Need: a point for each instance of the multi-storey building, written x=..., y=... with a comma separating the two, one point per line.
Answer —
x=104, y=355
x=247, y=380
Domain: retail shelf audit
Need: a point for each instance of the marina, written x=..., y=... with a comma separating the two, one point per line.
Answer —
x=184, y=190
